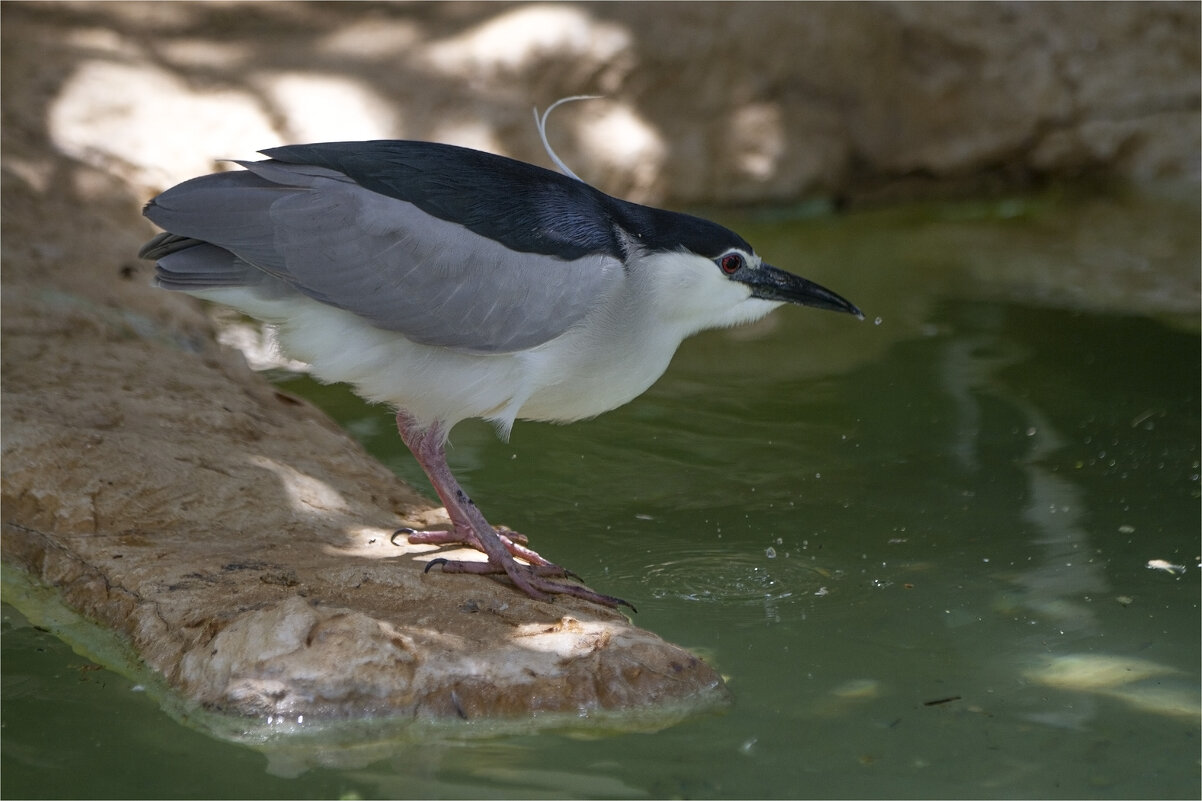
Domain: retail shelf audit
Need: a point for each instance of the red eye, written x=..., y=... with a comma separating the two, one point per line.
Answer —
x=731, y=263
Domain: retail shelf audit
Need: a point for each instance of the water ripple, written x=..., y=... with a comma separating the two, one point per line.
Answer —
x=720, y=577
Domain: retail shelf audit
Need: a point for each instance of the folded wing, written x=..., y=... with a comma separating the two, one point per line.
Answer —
x=384, y=253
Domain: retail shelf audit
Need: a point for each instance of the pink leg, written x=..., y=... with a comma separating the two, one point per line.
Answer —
x=472, y=529
x=427, y=448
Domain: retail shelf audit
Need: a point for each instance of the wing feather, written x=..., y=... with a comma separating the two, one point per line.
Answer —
x=385, y=258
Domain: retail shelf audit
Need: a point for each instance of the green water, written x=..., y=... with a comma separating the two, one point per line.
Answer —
x=917, y=546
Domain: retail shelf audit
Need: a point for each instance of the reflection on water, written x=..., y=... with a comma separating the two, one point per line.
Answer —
x=1146, y=686
x=918, y=550
x=1065, y=572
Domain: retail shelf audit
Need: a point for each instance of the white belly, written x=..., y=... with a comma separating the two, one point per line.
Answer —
x=581, y=374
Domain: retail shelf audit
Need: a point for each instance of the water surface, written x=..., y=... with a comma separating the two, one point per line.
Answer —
x=917, y=546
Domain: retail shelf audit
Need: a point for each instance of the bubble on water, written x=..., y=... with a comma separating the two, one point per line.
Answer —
x=770, y=552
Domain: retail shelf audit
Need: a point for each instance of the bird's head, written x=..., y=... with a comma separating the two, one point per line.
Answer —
x=707, y=276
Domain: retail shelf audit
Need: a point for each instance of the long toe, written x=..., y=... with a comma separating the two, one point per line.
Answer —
x=479, y=568
x=535, y=580
x=517, y=547
x=437, y=537
x=415, y=537
x=514, y=542
x=579, y=591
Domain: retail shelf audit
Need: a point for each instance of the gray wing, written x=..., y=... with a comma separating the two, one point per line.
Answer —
x=316, y=230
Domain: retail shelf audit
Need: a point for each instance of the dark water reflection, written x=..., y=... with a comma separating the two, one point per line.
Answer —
x=918, y=546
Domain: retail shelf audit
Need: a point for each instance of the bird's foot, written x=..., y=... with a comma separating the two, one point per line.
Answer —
x=534, y=580
x=514, y=542
x=532, y=576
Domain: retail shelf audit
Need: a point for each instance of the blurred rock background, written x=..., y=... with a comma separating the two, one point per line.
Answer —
x=706, y=103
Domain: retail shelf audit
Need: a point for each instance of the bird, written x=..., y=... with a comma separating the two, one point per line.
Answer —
x=450, y=283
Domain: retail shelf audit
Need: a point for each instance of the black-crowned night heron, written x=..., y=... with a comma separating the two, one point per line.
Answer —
x=452, y=283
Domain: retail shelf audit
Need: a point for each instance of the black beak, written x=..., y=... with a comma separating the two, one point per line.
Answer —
x=770, y=283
